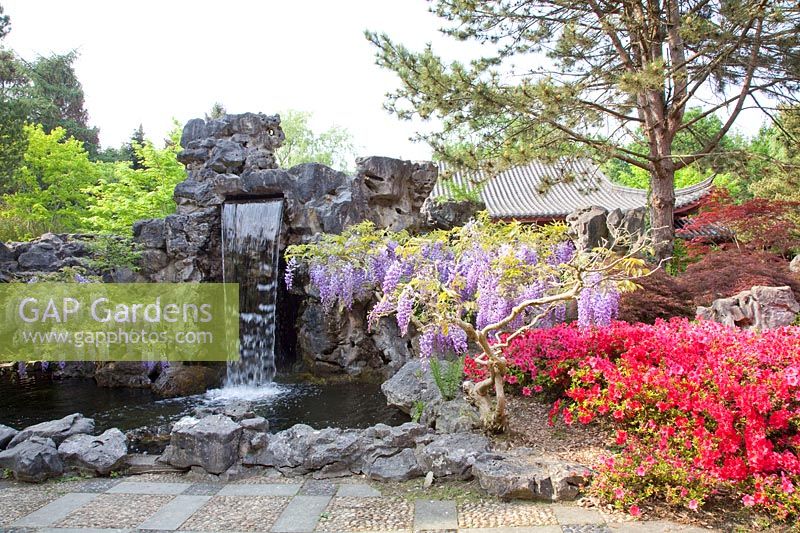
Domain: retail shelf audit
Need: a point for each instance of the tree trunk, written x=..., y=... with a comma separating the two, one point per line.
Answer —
x=662, y=209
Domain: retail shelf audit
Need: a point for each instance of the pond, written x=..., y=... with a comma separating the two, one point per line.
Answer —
x=38, y=398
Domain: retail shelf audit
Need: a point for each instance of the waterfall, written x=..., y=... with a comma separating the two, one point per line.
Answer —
x=250, y=255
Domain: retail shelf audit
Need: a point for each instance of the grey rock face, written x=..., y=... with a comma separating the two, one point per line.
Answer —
x=211, y=443
x=456, y=416
x=627, y=224
x=450, y=213
x=57, y=430
x=452, y=456
x=412, y=383
x=794, y=264
x=151, y=233
x=33, y=460
x=525, y=477
x=6, y=434
x=398, y=467
x=122, y=374
x=102, y=454
x=758, y=308
x=588, y=227
x=47, y=253
x=184, y=380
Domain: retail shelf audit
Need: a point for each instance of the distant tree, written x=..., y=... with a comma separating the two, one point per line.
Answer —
x=217, y=111
x=333, y=147
x=13, y=111
x=58, y=99
x=774, y=162
x=606, y=68
x=5, y=23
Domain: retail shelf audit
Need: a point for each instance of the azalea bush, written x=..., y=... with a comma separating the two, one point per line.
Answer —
x=699, y=409
x=485, y=283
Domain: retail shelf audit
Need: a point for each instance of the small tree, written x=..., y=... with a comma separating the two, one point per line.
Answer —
x=333, y=147
x=484, y=283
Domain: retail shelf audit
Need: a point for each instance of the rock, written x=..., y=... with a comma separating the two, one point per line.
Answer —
x=398, y=467
x=41, y=256
x=211, y=442
x=102, y=454
x=123, y=374
x=428, y=480
x=456, y=416
x=411, y=384
x=794, y=264
x=57, y=430
x=587, y=227
x=628, y=224
x=150, y=233
x=7, y=255
x=180, y=379
x=521, y=475
x=759, y=308
x=258, y=423
x=448, y=214
x=6, y=434
x=238, y=410
x=452, y=456
x=33, y=460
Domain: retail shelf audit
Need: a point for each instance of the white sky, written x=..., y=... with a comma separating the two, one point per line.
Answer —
x=150, y=61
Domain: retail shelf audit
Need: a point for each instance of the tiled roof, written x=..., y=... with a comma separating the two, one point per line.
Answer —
x=541, y=190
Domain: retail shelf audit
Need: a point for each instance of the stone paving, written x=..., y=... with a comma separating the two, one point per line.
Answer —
x=174, y=503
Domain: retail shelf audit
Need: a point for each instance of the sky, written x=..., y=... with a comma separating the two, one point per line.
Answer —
x=147, y=62
x=151, y=61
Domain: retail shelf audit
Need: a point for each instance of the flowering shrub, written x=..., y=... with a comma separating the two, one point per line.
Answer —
x=469, y=284
x=698, y=407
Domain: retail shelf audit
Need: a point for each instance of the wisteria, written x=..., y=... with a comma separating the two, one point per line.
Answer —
x=478, y=283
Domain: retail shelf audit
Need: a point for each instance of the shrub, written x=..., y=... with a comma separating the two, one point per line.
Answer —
x=698, y=407
x=659, y=296
x=448, y=376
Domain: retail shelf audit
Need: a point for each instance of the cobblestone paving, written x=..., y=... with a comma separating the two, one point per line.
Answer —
x=170, y=502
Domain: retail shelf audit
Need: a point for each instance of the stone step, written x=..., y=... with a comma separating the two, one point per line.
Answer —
x=140, y=463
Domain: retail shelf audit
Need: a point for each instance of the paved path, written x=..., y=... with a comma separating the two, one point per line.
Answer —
x=159, y=504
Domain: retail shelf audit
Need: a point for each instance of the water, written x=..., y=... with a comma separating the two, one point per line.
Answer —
x=38, y=398
x=250, y=255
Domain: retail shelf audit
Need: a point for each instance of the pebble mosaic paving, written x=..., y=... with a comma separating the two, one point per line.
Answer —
x=169, y=502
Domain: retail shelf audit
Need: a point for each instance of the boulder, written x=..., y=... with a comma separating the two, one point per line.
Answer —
x=41, y=256
x=33, y=460
x=794, y=264
x=587, y=227
x=211, y=443
x=452, y=456
x=57, y=430
x=257, y=423
x=456, y=416
x=150, y=233
x=448, y=214
x=123, y=374
x=6, y=434
x=626, y=224
x=238, y=410
x=759, y=308
x=411, y=384
x=524, y=476
x=401, y=466
x=180, y=379
x=102, y=454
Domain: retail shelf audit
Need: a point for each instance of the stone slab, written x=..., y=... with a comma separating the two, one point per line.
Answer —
x=301, y=515
x=585, y=528
x=173, y=514
x=572, y=515
x=357, y=490
x=55, y=510
x=527, y=529
x=435, y=514
x=203, y=489
x=97, y=485
x=82, y=530
x=657, y=526
x=266, y=489
x=143, y=487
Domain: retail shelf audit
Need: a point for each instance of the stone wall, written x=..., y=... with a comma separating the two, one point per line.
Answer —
x=233, y=158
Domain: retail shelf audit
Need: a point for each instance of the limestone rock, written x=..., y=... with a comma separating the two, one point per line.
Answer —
x=627, y=224
x=794, y=264
x=123, y=374
x=6, y=434
x=57, y=430
x=759, y=308
x=588, y=228
x=33, y=460
x=185, y=380
x=448, y=214
x=452, y=456
x=102, y=454
x=211, y=442
x=150, y=233
x=522, y=475
x=456, y=416
x=398, y=467
x=411, y=384
x=258, y=423
x=237, y=410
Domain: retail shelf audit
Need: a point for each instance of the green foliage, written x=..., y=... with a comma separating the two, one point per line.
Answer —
x=333, y=147
x=448, y=376
x=50, y=182
x=417, y=410
x=774, y=163
x=112, y=252
x=460, y=193
x=124, y=195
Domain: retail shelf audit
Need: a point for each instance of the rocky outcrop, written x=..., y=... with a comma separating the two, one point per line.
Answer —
x=591, y=227
x=100, y=455
x=57, y=430
x=211, y=443
x=522, y=475
x=33, y=460
x=6, y=434
x=125, y=374
x=233, y=157
x=453, y=455
x=794, y=264
x=446, y=214
x=48, y=253
x=187, y=379
x=758, y=308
